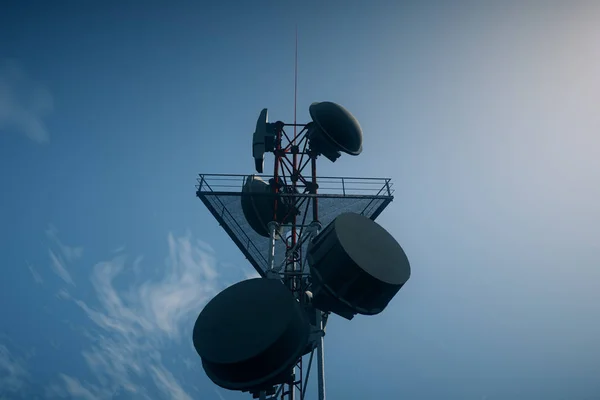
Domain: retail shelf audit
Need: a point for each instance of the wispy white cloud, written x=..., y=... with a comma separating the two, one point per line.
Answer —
x=59, y=268
x=69, y=387
x=250, y=273
x=69, y=253
x=190, y=283
x=62, y=256
x=189, y=364
x=13, y=374
x=36, y=276
x=167, y=382
x=137, y=265
x=75, y=389
x=133, y=326
x=119, y=249
x=63, y=294
x=219, y=394
x=23, y=103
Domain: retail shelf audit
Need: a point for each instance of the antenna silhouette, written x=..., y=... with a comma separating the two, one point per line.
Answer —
x=313, y=241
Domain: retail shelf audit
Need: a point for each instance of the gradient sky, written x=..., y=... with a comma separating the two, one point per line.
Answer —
x=485, y=115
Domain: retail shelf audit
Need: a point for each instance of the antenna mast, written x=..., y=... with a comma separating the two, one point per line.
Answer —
x=295, y=80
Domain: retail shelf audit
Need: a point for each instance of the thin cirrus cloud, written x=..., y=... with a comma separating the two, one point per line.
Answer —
x=132, y=328
x=13, y=375
x=24, y=103
x=36, y=275
x=70, y=253
x=59, y=267
x=63, y=256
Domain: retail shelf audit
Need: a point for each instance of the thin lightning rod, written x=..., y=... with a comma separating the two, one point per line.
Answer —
x=295, y=82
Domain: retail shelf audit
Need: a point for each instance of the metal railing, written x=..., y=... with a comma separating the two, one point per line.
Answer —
x=344, y=186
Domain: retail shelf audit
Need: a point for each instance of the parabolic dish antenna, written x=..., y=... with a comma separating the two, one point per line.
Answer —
x=258, y=205
x=357, y=266
x=263, y=140
x=250, y=335
x=334, y=130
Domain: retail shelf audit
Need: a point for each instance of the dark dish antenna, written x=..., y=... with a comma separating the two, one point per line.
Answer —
x=256, y=335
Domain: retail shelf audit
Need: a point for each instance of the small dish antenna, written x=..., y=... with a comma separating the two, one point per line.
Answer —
x=258, y=205
x=263, y=140
x=334, y=130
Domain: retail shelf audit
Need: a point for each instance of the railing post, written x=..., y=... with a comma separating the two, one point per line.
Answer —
x=387, y=186
x=343, y=187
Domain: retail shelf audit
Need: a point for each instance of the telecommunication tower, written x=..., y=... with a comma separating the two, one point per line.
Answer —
x=316, y=246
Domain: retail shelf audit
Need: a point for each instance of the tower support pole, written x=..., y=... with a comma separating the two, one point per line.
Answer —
x=320, y=356
x=316, y=228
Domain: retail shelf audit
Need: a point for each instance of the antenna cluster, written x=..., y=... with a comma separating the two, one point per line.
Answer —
x=254, y=335
x=317, y=248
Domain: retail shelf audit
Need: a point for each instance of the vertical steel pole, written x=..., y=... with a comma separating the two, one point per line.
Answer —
x=320, y=356
x=316, y=228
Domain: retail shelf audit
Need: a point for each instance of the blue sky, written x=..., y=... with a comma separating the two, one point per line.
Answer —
x=486, y=117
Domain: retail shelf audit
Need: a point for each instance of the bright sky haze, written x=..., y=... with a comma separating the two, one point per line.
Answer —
x=484, y=114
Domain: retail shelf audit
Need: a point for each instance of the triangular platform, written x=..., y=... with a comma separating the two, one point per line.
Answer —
x=222, y=194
